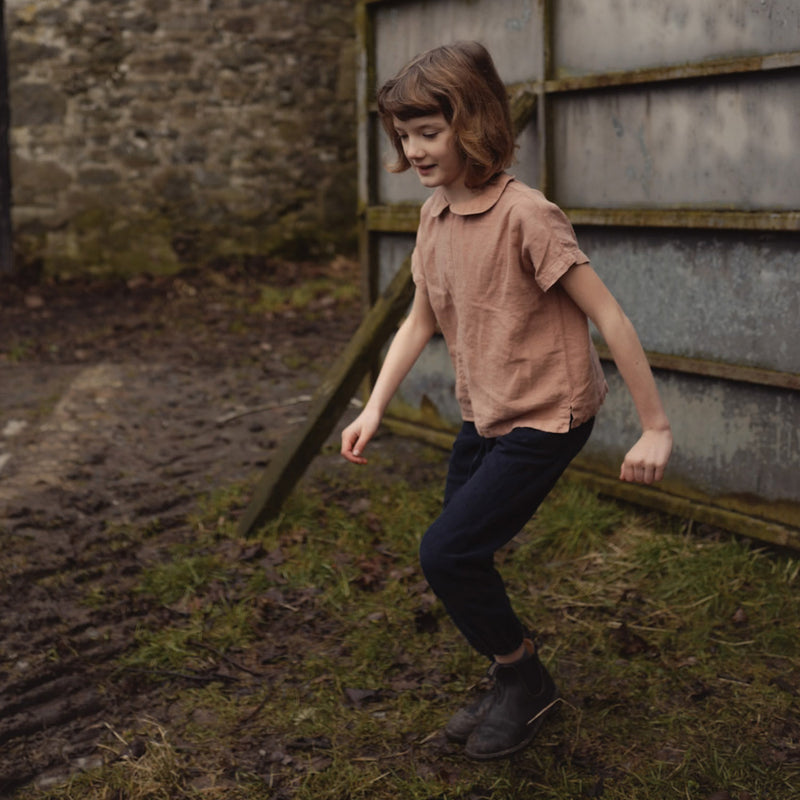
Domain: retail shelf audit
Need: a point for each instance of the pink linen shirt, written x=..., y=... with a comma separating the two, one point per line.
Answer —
x=520, y=346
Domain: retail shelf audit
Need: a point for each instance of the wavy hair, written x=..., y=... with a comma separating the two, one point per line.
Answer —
x=460, y=81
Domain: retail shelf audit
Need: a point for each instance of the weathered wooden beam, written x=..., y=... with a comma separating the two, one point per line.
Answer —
x=700, y=509
x=330, y=401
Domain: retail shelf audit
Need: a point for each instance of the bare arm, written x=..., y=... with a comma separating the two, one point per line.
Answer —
x=646, y=460
x=408, y=343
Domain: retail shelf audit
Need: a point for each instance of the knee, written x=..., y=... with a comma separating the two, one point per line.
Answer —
x=436, y=559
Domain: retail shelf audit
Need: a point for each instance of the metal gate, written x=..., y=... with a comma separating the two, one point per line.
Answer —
x=669, y=132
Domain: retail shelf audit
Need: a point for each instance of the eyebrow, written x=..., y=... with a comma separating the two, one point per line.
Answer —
x=419, y=125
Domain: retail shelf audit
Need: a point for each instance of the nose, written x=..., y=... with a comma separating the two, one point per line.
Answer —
x=414, y=150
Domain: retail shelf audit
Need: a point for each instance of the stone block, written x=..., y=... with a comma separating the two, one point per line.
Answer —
x=236, y=124
x=36, y=104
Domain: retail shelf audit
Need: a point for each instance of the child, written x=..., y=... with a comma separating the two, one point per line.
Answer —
x=497, y=268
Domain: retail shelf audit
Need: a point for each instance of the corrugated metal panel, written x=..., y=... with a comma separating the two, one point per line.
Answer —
x=731, y=439
x=594, y=36
x=724, y=144
x=724, y=295
x=668, y=129
x=507, y=27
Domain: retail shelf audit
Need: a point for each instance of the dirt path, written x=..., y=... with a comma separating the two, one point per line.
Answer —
x=120, y=406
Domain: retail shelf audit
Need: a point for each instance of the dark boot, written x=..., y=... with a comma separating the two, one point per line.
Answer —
x=524, y=692
x=464, y=721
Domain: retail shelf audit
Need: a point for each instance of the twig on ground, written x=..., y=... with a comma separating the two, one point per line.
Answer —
x=292, y=401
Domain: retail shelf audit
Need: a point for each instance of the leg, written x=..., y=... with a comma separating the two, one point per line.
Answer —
x=484, y=513
x=468, y=451
x=506, y=719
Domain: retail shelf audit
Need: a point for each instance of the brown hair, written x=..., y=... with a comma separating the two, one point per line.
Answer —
x=461, y=82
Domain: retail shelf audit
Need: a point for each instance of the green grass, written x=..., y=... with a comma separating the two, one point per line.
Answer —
x=308, y=298
x=316, y=663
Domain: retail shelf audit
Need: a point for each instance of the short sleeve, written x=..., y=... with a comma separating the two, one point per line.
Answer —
x=549, y=245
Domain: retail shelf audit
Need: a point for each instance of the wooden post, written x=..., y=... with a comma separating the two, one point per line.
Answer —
x=6, y=251
x=341, y=382
x=330, y=401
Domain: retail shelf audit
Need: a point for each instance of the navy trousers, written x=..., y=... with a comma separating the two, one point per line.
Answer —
x=493, y=488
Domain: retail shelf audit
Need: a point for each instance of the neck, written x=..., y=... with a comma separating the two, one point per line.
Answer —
x=458, y=193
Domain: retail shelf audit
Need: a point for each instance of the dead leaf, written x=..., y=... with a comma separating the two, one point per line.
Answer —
x=373, y=571
x=740, y=617
x=357, y=697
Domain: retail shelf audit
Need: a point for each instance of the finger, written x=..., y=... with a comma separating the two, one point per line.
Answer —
x=630, y=465
x=349, y=446
x=353, y=455
x=627, y=473
x=359, y=446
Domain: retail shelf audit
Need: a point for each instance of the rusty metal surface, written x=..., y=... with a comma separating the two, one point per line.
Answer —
x=733, y=441
x=729, y=144
x=724, y=296
x=507, y=27
x=592, y=36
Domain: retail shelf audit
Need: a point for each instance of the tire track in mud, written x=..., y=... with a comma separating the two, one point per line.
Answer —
x=122, y=404
x=88, y=498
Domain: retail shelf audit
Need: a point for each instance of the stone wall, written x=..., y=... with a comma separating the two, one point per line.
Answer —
x=146, y=134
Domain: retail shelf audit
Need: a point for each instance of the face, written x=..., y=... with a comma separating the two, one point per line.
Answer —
x=429, y=144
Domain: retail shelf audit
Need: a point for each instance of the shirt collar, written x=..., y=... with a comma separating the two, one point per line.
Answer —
x=481, y=201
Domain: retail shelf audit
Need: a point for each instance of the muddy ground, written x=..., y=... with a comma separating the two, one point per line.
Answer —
x=121, y=404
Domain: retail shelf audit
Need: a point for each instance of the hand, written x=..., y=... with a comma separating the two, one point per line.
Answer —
x=357, y=434
x=647, y=459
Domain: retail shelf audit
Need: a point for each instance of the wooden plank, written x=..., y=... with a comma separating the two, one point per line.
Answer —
x=740, y=373
x=750, y=525
x=398, y=218
x=700, y=509
x=330, y=401
x=703, y=69
x=403, y=218
x=687, y=218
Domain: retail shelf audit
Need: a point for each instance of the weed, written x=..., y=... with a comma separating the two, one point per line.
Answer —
x=310, y=297
x=176, y=579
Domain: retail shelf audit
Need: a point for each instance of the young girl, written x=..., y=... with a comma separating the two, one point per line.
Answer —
x=497, y=269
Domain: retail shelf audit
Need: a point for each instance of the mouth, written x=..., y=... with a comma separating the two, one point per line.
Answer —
x=425, y=169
